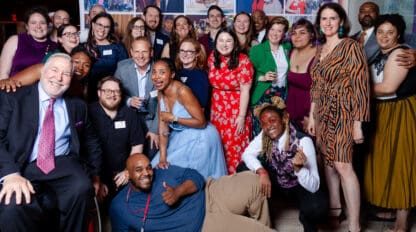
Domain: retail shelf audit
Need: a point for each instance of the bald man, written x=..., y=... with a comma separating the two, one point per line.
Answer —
x=175, y=199
x=260, y=22
x=367, y=16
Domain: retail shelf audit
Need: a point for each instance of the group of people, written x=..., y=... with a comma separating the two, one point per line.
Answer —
x=171, y=119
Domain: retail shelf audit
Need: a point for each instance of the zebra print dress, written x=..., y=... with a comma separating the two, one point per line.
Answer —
x=341, y=93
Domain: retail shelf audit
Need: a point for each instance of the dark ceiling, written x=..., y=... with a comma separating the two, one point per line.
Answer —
x=18, y=7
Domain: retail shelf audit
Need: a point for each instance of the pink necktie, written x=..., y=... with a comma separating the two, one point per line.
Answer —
x=46, y=151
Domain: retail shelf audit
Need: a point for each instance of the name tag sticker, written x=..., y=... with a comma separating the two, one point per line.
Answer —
x=120, y=124
x=107, y=52
x=153, y=93
x=159, y=41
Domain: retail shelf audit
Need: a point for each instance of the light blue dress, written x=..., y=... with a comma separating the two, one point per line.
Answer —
x=200, y=149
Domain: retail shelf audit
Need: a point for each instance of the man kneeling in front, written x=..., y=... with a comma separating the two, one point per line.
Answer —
x=178, y=199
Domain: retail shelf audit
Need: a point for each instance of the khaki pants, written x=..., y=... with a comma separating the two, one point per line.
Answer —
x=234, y=203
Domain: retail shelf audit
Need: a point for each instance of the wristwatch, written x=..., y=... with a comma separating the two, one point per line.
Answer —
x=175, y=119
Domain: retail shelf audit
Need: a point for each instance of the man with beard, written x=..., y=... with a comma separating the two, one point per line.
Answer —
x=140, y=93
x=175, y=199
x=367, y=15
x=260, y=22
x=153, y=18
x=118, y=128
x=59, y=18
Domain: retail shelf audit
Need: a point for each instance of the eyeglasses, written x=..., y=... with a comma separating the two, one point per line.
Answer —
x=116, y=92
x=99, y=25
x=138, y=28
x=188, y=52
x=71, y=34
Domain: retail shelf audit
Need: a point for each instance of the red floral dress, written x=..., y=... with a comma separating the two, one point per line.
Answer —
x=225, y=106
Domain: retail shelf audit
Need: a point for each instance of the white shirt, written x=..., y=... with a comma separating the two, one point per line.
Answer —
x=281, y=67
x=308, y=176
x=141, y=82
x=261, y=35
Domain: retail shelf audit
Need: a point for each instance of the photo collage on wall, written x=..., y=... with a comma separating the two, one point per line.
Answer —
x=196, y=10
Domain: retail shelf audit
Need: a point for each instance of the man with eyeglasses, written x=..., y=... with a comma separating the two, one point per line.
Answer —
x=140, y=93
x=153, y=19
x=49, y=155
x=60, y=17
x=120, y=134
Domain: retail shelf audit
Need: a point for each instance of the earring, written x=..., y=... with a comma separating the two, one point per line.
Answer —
x=320, y=31
x=340, y=30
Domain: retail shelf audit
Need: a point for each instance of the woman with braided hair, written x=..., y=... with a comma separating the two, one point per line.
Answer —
x=284, y=158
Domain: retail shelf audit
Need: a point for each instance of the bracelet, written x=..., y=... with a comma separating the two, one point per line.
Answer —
x=262, y=172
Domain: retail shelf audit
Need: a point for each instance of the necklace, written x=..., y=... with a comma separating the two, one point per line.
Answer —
x=47, y=49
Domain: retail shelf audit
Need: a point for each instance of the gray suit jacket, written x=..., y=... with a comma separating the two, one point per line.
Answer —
x=126, y=72
x=371, y=48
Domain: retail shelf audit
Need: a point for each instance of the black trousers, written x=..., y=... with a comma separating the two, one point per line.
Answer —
x=313, y=207
x=61, y=201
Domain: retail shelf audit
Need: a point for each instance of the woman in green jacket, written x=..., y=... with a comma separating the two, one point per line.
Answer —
x=271, y=63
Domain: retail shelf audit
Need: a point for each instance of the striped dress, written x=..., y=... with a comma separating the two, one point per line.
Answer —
x=341, y=93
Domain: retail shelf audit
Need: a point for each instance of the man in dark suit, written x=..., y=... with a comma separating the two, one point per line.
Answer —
x=141, y=95
x=153, y=17
x=367, y=16
x=41, y=163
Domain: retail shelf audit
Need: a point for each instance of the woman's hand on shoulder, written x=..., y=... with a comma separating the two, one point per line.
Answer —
x=10, y=85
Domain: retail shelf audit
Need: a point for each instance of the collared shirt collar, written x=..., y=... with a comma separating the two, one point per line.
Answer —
x=147, y=70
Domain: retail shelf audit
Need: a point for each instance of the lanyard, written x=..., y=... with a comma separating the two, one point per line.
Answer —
x=146, y=209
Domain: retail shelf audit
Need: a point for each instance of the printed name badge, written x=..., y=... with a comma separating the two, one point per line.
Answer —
x=153, y=93
x=107, y=52
x=159, y=41
x=120, y=124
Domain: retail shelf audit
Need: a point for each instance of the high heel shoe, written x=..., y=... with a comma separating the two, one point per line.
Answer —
x=341, y=217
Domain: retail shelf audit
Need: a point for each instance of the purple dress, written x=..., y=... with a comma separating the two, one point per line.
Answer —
x=298, y=100
x=30, y=52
